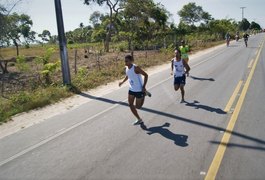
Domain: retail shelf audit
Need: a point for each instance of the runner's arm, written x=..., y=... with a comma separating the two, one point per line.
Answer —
x=187, y=67
x=124, y=80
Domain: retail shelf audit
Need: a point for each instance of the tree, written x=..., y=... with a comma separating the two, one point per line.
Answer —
x=143, y=20
x=220, y=27
x=244, y=25
x=114, y=7
x=95, y=18
x=45, y=36
x=19, y=26
x=79, y=35
x=191, y=14
x=254, y=26
x=5, y=10
x=53, y=39
x=3, y=24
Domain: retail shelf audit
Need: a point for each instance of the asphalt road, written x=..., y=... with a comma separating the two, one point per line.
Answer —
x=177, y=140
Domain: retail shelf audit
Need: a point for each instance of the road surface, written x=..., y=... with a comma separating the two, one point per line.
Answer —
x=217, y=134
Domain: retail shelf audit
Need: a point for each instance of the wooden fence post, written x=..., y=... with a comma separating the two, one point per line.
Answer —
x=75, y=61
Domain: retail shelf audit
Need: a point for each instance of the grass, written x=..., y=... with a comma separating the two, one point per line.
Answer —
x=25, y=101
x=84, y=79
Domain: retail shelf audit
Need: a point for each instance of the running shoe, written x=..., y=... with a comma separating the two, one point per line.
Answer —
x=182, y=101
x=138, y=121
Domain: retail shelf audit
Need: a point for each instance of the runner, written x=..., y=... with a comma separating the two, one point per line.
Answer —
x=184, y=49
x=136, y=86
x=180, y=68
x=227, y=38
x=245, y=36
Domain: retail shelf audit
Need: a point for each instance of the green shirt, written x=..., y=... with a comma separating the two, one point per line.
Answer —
x=184, y=51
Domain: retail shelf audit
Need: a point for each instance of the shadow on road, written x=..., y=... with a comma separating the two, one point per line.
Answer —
x=179, y=140
x=196, y=105
x=231, y=145
x=233, y=45
x=179, y=118
x=252, y=47
x=202, y=79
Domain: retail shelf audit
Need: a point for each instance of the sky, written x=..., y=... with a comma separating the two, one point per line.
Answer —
x=42, y=12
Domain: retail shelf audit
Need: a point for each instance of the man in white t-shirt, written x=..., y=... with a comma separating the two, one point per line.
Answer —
x=137, y=86
x=180, y=69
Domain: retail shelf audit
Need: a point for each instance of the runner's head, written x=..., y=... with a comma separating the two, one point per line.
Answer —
x=177, y=53
x=182, y=42
x=128, y=60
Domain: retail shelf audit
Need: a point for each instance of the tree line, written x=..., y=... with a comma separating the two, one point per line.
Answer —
x=136, y=23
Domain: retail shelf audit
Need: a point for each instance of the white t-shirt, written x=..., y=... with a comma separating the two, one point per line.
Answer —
x=135, y=80
x=178, y=68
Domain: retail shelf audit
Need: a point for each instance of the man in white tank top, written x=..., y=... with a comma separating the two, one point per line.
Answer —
x=136, y=86
x=179, y=68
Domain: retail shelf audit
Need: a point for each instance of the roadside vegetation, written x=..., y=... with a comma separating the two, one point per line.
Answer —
x=30, y=69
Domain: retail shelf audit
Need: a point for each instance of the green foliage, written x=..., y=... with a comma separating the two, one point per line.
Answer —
x=21, y=64
x=95, y=18
x=220, y=27
x=98, y=35
x=80, y=79
x=45, y=36
x=244, y=25
x=142, y=21
x=25, y=101
x=17, y=27
x=254, y=26
x=47, y=68
x=46, y=58
x=169, y=50
x=121, y=46
x=191, y=13
x=50, y=68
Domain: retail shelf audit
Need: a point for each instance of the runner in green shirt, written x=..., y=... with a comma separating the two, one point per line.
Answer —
x=184, y=49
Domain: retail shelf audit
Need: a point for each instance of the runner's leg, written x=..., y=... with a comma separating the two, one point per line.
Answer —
x=176, y=87
x=139, y=102
x=132, y=107
x=182, y=92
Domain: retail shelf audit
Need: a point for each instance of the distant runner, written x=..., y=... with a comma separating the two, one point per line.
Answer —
x=245, y=36
x=180, y=69
x=227, y=38
x=136, y=86
x=184, y=49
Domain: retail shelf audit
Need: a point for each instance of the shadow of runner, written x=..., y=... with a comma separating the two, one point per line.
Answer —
x=196, y=105
x=179, y=118
x=179, y=140
x=202, y=79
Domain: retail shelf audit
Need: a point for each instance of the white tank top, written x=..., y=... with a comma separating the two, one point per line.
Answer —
x=178, y=68
x=135, y=80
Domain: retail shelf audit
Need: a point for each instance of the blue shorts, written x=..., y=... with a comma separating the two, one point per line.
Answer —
x=136, y=94
x=180, y=80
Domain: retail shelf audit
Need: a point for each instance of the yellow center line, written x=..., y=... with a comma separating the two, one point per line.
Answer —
x=250, y=63
x=214, y=167
x=233, y=97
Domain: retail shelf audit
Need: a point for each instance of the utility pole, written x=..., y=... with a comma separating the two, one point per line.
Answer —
x=242, y=12
x=62, y=43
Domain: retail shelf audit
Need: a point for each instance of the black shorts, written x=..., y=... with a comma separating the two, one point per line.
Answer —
x=180, y=80
x=137, y=94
